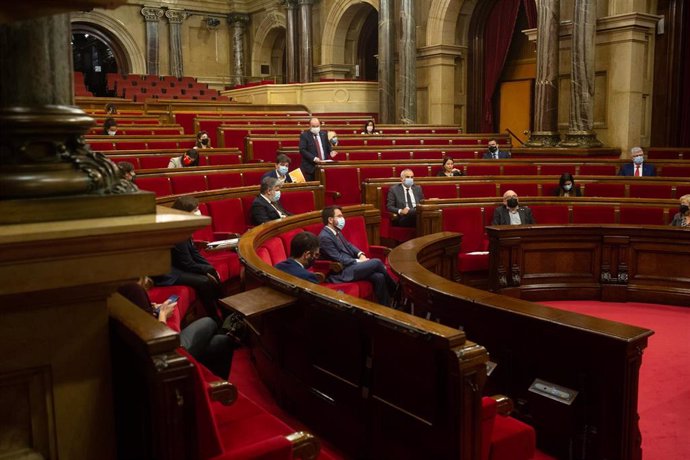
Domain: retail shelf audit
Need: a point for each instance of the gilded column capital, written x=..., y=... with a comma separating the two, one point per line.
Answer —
x=176, y=16
x=152, y=14
x=241, y=19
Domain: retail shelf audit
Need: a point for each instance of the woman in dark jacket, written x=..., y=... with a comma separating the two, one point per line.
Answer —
x=448, y=168
x=682, y=217
x=566, y=186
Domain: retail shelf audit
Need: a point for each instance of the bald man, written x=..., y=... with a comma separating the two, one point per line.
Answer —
x=511, y=213
x=314, y=148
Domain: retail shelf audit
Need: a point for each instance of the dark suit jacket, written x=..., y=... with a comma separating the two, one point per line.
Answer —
x=677, y=220
x=262, y=211
x=185, y=258
x=338, y=249
x=502, y=216
x=628, y=169
x=309, y=151
x=455, y=173
x=274, y=175
x=396, y=197
x=502, y=155
x=293, y=267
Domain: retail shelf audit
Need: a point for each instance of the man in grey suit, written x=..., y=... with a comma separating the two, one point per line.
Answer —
x=356, y=265
x=403, y=199
x=494, y=153
x=511, y=213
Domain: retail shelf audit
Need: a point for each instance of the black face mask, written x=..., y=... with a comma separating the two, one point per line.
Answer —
x=683, y=208
x=493, y=148
x=512, y=202
x=204, y=141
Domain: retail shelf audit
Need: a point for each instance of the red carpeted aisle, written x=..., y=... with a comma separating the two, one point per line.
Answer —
x=664, y=396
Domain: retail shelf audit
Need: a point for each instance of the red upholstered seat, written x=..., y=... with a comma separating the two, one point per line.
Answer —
x=275, y=249
x=550, y=214
x=639, y=215
x=298, y=202
x=253, y=177
x=223, y=180
x=606, y=190
x=522, y=189
x=483, y=170
x=374, y=172
x=598, y=170
x=477, y=190
x=158, y=185
x=468, y=221
x=556, y=169
x=163, y=145
x=363, y=156
x=440, y=191
x=225, y=214
x=130, y=146
x=650, y=191
x=120, y=159
x=389, y=231
x=102, y=146
x=675, y=171
x=520, y=170
x=188, y=183
x=682, y=190
x=154, y=161
x=503, y=437
x=223, y=159
x=344, y=181
x=419, y=171
x=594, y=215
x=160, y=294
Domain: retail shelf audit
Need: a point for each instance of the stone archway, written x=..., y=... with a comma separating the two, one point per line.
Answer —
x=341, y=32
x=268, y=47
x=129, y=55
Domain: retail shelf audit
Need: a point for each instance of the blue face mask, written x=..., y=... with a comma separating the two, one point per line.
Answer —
x=334, y=141
x=408, y=182
x=340, y=222
x=567, y=187
x=638, y=160
x=282, y=170
x=276, y=196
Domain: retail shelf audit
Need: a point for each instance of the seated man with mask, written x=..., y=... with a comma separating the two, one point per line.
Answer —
x=356, y=265
x=266, y=205
x=403, y=199
x=511, y=213
x=304, y=249
x=281, y=171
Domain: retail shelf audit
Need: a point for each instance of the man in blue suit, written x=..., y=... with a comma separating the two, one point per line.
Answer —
x=356, y=265
x=314, y=148
x=304, y=250
x=281, y=171
x=637, y=168
x=494, y=153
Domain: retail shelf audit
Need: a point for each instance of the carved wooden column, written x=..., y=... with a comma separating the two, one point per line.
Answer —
x=545, y=132
x=290, y=41
x=175, y=18
x=581, y=121
x=306, y=66
x=408, y=63
x=152, y=16
x=238, y=22
x=386, y=64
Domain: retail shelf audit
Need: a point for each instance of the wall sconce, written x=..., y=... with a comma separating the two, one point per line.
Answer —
x=211, y=23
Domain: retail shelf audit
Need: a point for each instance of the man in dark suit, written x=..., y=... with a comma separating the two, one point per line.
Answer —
x=494, y=153
x=304, y=250
x=314, y=148
x=266, y=206
x=281, y=171
x=511, y=213
x=638, y=168
x=356, y=265
x=403, y=199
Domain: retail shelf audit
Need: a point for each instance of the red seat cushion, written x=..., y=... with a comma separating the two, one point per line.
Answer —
x=520, y=170
x=606, y=190
x=650, y=191
x=638, y=215
x=188, y=183
x=154, y=161
x=440, y=191
x=483, y=170
x=594, y=215
x=298, y=202
x=556, y=170
x=224, y=180
x=550, y=214
x=598, y=170
x=477, y=190
x=512, y=439
x=522, y=189
x=158, y=185
x=225, y=214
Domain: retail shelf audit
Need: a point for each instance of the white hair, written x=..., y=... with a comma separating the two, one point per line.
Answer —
x=402, y=173
x=635, y=150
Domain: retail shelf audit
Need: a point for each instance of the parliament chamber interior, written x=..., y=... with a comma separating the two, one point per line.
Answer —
x=345, y=229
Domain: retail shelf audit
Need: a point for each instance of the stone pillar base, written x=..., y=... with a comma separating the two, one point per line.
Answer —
x=539, y=139
x=581, y=139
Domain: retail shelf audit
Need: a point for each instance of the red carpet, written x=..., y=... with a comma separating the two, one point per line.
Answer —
x=664, y=397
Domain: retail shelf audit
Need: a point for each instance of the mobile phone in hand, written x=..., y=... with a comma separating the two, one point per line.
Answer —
x=173, y=298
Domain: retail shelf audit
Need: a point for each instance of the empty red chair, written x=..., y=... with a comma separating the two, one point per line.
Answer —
x=341, y=186
x=154, y=161
x=650, y=191
x=225, y=214
x=520, y=170
x=555, y=169
x=224, y=180
x=158, y=185
x=102, y=146
x=253, y=177
x=522, y=189
x=188, y=183
x=162, y=145
x=598, y=170
x=120, y=159
x=375, y=172
x=130, y=146
x=223, y=159
x=440, y=191
x=675, y=171
x=504, y=437
x=477, y=190
x=468, y=221
x=362, y=156
x=594, y=215
x=550, y=214
x=483, y=170
x=641, y=215
x=682, y=190
x=298, y=202
x=606, y=190
x=419, y=171
x=276, y=250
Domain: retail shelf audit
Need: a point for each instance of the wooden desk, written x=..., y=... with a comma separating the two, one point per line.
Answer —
x=605, y=262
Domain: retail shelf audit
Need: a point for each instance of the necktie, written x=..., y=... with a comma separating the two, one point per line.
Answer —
x=318, y=146
x=409, y=198
x=637, y=171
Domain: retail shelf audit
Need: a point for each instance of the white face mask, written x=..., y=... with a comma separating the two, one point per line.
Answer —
x=196, y=212
x=370, y=128
x=315, y=129
x=112, y=133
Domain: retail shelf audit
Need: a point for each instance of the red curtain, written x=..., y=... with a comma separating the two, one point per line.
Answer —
x=531, y=12
x=498, y=34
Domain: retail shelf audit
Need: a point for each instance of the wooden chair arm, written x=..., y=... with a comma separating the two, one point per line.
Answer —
x=504, y=405
x=222, y=391
x=304, y=445
x=321, y=276
x=333, y=193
